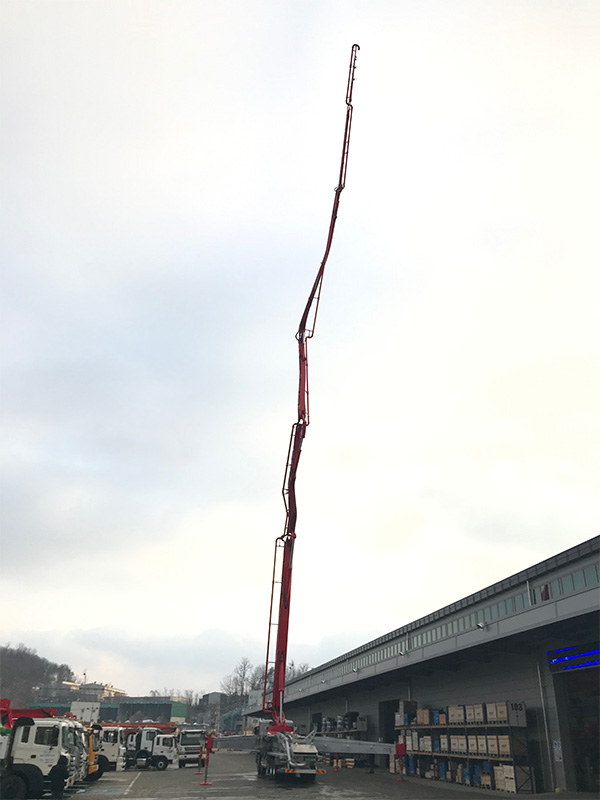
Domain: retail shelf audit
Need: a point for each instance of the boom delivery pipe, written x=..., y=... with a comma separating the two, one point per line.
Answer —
x=285, y=542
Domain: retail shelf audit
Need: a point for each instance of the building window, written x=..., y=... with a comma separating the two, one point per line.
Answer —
x=567, y=584
x=578, y=580
x=519, y=602
x=591, y=575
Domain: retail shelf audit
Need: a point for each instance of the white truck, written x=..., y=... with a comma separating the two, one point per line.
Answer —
x=190, y=744
x=150, y=747
x=112, y=748
x=32, y=748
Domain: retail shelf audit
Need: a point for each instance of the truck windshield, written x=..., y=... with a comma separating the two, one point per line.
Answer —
x=190, y=738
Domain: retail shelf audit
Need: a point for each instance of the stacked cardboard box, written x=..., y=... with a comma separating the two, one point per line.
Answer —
x=415, y=740
x=499, y=777
x=443, y=743
x=472, y=745
x=492, y=745
x=482, y=745
x=501, y=712
x=456, y=715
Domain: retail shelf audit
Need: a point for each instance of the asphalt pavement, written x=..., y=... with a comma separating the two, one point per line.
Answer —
x=232, y=776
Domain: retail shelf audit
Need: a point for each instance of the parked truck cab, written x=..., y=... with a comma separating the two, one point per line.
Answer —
x=112, y=748
x=34, y=747
x=149, y=747
x=190, y=742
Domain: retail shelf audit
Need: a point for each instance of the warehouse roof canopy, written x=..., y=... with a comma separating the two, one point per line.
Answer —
x=520, y=592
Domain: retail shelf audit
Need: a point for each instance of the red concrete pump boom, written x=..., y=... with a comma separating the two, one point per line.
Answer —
x=284, y=544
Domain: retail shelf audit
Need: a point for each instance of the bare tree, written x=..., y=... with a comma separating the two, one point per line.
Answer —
x=229, y=685
x=293, y=671
x=242, y=672
x=257, y=678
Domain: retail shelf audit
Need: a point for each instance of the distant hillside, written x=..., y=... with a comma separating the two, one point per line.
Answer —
x=22, y=670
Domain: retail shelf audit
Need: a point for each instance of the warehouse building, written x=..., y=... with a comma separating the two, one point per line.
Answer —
x=525, y=648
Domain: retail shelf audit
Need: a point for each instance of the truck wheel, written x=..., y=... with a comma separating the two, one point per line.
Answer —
x=94, y=776
x=161, y=763
x=13, y=787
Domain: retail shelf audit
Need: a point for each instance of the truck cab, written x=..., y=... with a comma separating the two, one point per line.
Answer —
x=34, y=747
x=190, y=742
x=150, y=747
x=112, y=748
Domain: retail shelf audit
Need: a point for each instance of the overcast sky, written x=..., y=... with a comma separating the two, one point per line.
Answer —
x=168, y=170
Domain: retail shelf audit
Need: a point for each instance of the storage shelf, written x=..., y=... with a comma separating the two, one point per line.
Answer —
x=455, y=726
x=438, y=754
x=508, y=771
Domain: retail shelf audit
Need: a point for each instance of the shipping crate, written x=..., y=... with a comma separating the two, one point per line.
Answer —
x=454, y=744
x=499, y=778
x=443, y=743
x=415, y=740
x=486, y=781
x=479, y=712
x=461, y=741
x=472, y=745
x=398, y=719
x=426, y=745
x=501, y=712
x=443, y=718
x=490, y=712
x=456, y=715
x=504, y=745
x=469, y=713
x=492, y=745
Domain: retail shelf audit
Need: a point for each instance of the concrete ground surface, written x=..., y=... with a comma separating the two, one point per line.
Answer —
x=233, y=777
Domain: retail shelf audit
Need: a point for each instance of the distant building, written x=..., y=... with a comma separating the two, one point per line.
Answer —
x=96, y=692
x=156, y=709
x=61, y=692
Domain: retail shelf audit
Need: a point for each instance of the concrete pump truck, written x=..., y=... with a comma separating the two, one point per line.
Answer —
x=279, y=750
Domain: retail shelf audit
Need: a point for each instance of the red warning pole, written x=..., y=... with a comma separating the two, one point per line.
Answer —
x=208, y=746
